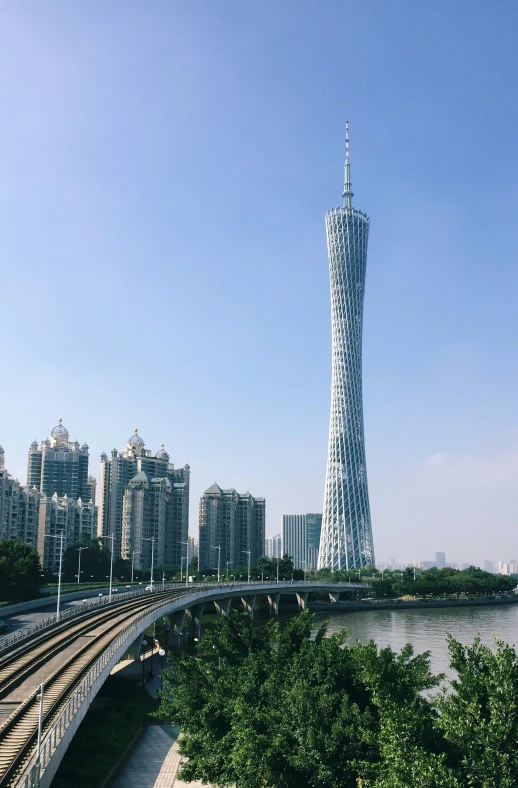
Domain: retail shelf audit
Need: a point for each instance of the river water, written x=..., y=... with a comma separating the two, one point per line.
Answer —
x=426, y=629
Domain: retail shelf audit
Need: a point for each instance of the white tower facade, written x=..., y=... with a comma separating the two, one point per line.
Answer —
x=346, y=536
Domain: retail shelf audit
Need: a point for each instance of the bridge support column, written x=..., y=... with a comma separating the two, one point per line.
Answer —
x=223, y=607
x=274, y=601
x=249, y=604
x=334, y=597
x=195, y=613
x=178, y=621
x=302, y=600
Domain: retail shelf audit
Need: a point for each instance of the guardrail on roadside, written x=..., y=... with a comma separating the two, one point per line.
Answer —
x=24, y=633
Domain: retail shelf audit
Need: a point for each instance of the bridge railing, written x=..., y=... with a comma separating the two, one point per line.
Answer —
x=24, y=633
x=31, y=777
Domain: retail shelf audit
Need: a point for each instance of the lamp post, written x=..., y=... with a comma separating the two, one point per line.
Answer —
x=40, y=722
x=60, y=537
x=186, y=561
x=79, y=564
x=277, y=566
x=152, y=540
x=134, y=553
x=218, y=548
x=249, y=554
x=162, y=655
x=163, y=580
x=304, y=570
x=144, y=643
x=112, y=537
x=182, y=559
x=228, y=562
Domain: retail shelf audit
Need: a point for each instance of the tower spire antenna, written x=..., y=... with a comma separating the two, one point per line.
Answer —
x=347, y=193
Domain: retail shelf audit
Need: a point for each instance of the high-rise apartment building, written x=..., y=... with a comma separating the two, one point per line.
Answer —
x=346, y=540
x=233, y=522
x=117, y=471
x=440, y=560
x=19, y=508
x=61, y=514
x=59, y=465
x=151, y=524
x=273, y=546
x=488, y=565
x=300, y=536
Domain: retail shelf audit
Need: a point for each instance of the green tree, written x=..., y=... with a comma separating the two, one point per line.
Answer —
x=272, y=707
x=20, y=571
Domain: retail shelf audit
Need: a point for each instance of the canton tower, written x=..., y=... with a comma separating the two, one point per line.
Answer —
x=346, y=537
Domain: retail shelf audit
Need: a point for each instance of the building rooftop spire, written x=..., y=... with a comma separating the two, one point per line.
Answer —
x=347, y=193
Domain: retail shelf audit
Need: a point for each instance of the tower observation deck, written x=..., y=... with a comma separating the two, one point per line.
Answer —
x=346, y=536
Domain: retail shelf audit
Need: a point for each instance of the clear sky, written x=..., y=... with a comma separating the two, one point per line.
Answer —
x=165, y=170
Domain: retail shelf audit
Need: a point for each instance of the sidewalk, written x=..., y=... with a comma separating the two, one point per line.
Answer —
x=154, y=762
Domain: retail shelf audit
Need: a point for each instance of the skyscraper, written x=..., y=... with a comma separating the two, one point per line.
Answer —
x=117, y=472
x=59, y=465
x=300, y=537
x=346, y=538
x=233, y=521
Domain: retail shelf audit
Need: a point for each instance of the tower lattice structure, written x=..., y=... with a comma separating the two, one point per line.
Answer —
x=346, y=536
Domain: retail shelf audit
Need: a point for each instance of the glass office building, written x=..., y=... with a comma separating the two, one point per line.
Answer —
x=346, y=537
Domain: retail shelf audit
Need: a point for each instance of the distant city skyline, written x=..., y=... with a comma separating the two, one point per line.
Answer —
x=186, y=188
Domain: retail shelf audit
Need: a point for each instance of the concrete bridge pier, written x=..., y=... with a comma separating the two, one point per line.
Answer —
x=177, y=624
x=223, y=607
x=249, y=604
x=274, y=601
x=334, y=597
x=195, y=614
x=302, y=600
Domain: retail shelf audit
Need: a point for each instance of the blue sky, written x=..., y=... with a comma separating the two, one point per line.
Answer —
x=165, y=171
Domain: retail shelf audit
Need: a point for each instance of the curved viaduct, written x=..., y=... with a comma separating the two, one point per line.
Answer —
x=100, y=637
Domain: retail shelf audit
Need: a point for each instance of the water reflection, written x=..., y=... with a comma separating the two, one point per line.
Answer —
x=426, y=629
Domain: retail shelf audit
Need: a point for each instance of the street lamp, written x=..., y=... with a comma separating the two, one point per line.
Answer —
x=186, y=561
x=228, y=562
x=40, y=723
x=134, y=553
x=163, y=580
x=304, y=570
x=218, y=548
x=162, y=655
x=182, y=559
x=112, y=537
x=79, y=564
x=60, y=537
x=143, y=644
x=249, y=554
x=152, y=540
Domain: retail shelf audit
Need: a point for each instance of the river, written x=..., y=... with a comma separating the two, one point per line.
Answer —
x=426, y=629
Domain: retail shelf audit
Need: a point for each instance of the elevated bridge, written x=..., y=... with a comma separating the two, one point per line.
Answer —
x=74, y=657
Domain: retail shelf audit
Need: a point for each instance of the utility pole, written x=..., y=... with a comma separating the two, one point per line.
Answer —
x=218, y=548
x=249, y=554
x=152, y=540
x=228, y=562
x=134, y=553
x=79, y=564
x=60, y=537
x=186, y=561
x=111, y=565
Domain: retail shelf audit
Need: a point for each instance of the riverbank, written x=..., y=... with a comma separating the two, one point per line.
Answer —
x=412, y=604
